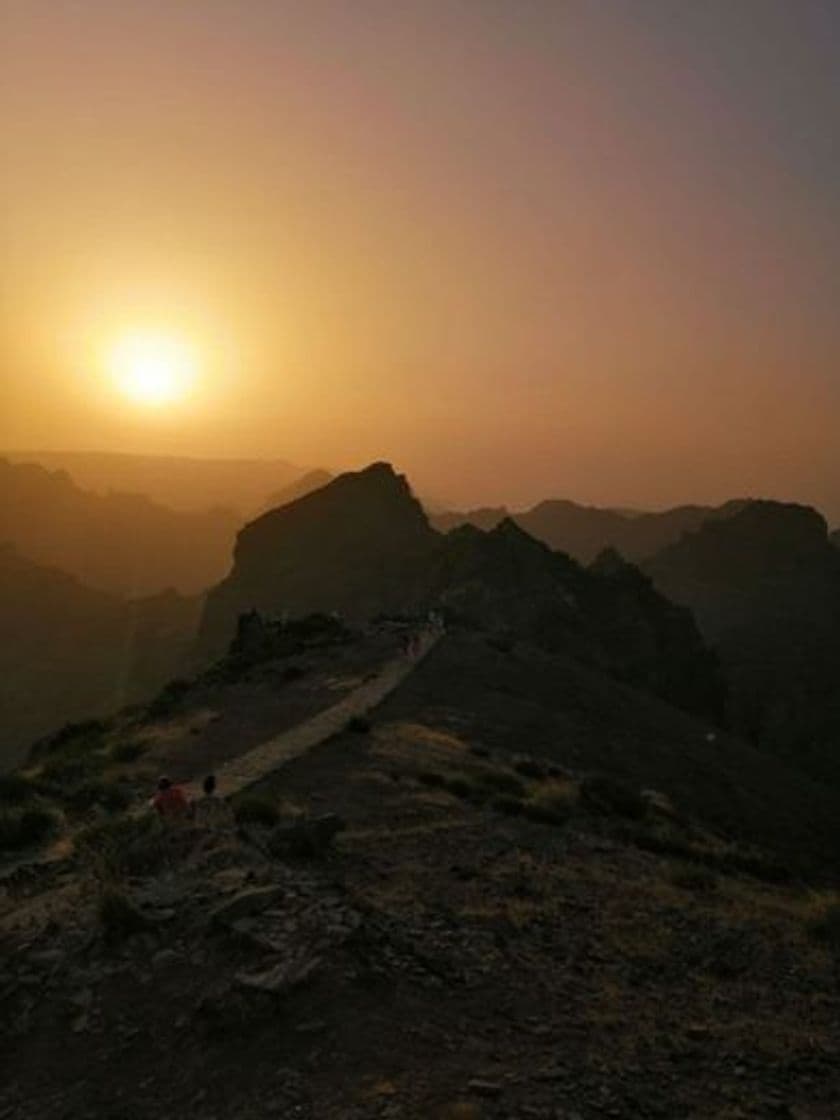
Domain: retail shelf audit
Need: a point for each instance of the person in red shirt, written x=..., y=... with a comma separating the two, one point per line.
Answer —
x=170, y=801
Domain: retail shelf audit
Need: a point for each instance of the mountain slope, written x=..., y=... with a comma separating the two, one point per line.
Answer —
x=71, y=653
x=480, y=940
x=356, y=546
x=764, y=586
x=121, y=543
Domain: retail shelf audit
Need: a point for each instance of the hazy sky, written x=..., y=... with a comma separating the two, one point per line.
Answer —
x=586, y=248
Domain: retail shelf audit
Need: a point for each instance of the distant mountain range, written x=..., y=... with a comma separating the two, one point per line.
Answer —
x=180, y=482
x=585, y=531
x=126, y=544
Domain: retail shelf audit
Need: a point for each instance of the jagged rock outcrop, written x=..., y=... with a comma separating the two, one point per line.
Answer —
x=609, y=615
x=485, y=517
x=764, y=586
x=121, y=543
x=358, y=546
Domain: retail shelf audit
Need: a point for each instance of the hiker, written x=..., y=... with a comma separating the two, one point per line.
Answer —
x=170, y=801
x=211, y=811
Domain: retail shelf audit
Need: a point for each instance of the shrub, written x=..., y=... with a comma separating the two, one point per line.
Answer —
x=360, y=725
x=111, y=796
x=119, y=918
x=502, y=781
x=694, y=879
x=431, y=778
x=128, y=751
x=169, y=697
x=24, y=828
x=77, y=736
x=825, y=923
x=62, y=773
x=462, y=788
x=15, y=789
x=252, y=809
x=607, y=794
x=530, y=768
x=550, y=805
x=125, y=845
x=512, y=806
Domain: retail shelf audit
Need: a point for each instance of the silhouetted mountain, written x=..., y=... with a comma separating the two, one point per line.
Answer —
x=123, y=543
x=362, y=545
x=357, y=546
x=764, y=586
x=608, y=616
x=69, y=652
x=485, y=517
x=176, y=481
x=585, y=531
x=835, y=538
x=312, y=480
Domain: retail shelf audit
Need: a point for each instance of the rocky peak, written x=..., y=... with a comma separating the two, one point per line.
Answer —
x=355, y=546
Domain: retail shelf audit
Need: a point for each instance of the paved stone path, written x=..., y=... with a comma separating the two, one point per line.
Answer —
x=262, y=760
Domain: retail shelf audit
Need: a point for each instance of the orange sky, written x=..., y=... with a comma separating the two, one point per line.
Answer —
x=519, y=248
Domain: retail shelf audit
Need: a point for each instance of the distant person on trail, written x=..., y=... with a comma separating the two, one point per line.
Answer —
x=170, y=801
x=211, y=811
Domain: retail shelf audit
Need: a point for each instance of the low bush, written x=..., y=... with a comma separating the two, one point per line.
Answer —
x=128, y=751
x=113, y=797
x=119, y=918
x=607, y=794
x=543, y=814
x=26, y=827
x=501, y=781
x=824, y=923
x=512, y=806
x=125, y=845
x=551, y=804
x=253, y=809
x=700, y=879
x=431, y=778
x=82, y=735
x=15, y=789
x=530, y=768
x=462, y=787
x=168, y=699
x=62, y=773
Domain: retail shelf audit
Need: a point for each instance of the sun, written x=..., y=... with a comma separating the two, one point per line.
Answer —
x=151, y=368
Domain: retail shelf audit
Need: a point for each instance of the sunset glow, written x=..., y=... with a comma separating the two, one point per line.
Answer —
x=152, y=369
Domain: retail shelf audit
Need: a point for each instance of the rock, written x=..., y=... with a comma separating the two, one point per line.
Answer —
x=282, y=977
x=479, y=1087
x=309, y=836
x=165, y=957
x=246, y=903
x=48, y=958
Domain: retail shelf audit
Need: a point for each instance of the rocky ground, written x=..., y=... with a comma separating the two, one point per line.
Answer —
x=444, y=956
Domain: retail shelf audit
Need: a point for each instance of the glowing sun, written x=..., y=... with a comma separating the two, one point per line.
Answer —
x=152, y=369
